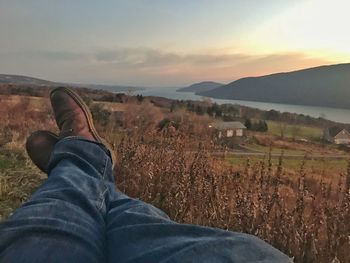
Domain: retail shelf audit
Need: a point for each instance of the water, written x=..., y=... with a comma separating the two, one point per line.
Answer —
x=333, y=114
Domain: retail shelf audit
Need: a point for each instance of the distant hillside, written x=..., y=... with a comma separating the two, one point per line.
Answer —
x=112, y=88
x=201, y=87
x=327, y=86
x=24, y=80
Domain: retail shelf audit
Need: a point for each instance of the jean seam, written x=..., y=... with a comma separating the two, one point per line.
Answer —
x=103, y=172
x=101, y=197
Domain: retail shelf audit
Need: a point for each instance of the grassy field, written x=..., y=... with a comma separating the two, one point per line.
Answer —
x=33, y=103
x=314, y=165
x=308, y=203
x=294, y=131
x=18, y=179
x=274, y=150
x=112, y=106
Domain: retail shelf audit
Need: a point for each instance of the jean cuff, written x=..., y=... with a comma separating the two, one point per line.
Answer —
x=93, y=153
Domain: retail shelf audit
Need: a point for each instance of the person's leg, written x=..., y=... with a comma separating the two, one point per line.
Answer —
x=64, y=220
x=139, y=232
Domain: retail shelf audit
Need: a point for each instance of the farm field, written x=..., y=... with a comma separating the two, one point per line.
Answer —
x=318, y=165
x=294, y=131
x=273, y=150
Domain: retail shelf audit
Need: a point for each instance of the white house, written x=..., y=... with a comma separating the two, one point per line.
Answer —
x=337, y=135
x=229, y=129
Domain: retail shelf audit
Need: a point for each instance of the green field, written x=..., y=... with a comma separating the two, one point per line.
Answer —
x=294, y=131
x=317, y=165
x=18, y=180
x=273, y=150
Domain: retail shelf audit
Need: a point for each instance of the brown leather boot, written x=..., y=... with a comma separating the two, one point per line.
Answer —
x=73, y=116
x=39, y=147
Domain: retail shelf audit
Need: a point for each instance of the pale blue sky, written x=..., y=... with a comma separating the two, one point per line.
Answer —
x=153, y=42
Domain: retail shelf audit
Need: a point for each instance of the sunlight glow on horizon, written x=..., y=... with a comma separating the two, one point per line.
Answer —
x=163, y=42
x=319, y=28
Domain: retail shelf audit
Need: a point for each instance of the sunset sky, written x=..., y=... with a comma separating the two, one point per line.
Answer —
x=168, y=42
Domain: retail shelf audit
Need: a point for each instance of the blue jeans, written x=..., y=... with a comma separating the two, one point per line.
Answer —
x=77, y=215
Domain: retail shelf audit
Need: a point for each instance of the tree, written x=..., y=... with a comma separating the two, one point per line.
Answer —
x=139, y=98
x=271, y=115
x=264, y=126
x=282, y=127
x=172, y=106
x=99, y=113
x=295, y=129
x=199, y=110
x=248, y=124
x=260, y=126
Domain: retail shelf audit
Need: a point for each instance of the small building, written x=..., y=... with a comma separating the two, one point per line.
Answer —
x=337, y=135
x=229, y=129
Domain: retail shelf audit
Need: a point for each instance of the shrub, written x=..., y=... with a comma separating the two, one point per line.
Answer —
x=194, y=187
x=100, y=114
x=179, y=172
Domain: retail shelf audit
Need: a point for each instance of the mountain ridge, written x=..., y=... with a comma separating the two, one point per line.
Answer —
x=325, y=86
x=200, y=86
x=32, y=81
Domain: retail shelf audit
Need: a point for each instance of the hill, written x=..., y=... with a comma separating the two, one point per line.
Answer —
x=112, y=88
x=24, y=80
x=30, y=81
x=326, y=86
x=201, y=87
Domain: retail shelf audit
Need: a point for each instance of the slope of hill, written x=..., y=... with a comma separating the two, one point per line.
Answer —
x=25, y=80
x=201, y=87
x=327, y=86
x=112, y=88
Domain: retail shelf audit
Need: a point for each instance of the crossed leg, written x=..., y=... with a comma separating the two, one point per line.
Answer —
x=64, y=220
x=139, y=232
x=78, y=216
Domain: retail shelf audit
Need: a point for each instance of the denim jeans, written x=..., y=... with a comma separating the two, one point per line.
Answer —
x=77, y=215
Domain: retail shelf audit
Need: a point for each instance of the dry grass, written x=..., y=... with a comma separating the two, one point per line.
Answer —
x=304, y=218
x=174, y=169
x=19, y=116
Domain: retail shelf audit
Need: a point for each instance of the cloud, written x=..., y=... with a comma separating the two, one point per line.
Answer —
x=142, y=57
x=151, y=58
x=146, y=57
x=147, y=66
x=61, y=55
x=214, y=65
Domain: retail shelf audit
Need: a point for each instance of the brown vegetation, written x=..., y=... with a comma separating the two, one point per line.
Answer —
x=173, y=167
x=290, y=144
x=306, y=219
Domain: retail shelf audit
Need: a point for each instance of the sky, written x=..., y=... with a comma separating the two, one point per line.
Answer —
x=163, y=43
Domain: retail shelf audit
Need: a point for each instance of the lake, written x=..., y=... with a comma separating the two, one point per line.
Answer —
x=333, y=114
